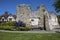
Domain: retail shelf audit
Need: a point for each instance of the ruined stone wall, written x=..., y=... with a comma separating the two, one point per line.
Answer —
x=24, y=13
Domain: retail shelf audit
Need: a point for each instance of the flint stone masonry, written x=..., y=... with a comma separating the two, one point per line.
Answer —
x=40, y=18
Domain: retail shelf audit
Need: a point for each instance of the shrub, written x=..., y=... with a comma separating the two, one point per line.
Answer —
x=10, y=23
x=16, y=24
x=7, y=27
x=24, y=28
x=1, y=27
x=19, y=23
x=28, y=28
x=21, y=28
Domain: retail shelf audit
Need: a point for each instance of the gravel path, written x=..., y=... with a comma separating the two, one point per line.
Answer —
x=28, y=31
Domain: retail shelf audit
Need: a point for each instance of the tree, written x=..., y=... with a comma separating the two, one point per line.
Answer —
x=56, y=4
x=58, y=16
x=6, y=12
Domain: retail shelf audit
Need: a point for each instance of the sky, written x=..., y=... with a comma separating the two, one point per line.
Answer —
x=10, y=5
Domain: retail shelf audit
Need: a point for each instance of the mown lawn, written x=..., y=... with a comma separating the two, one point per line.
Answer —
x=29, y=36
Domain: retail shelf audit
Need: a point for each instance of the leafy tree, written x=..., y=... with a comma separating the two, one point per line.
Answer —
x=58, y=19
x=6, y=12
x=56, y=4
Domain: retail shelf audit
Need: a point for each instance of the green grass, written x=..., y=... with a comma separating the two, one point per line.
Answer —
x=29, y=36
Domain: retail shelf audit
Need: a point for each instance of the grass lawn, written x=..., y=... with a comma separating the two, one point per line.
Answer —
x=29, y=36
